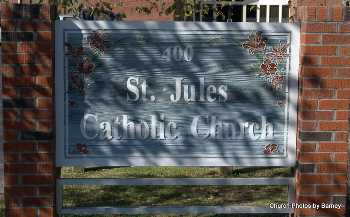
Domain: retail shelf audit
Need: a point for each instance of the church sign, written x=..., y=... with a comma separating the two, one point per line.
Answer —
x=176, y=94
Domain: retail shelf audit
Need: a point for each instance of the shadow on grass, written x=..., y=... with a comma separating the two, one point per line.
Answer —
x=85, y=196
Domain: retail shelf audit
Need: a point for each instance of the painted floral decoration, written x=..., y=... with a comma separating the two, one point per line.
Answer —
x=81, y=59
x=86, y=66
x=271, y=149
x=279, y=53
x=82, y=148
x=75, y=52
x=77, y=82
x=97, y=42
x=255, y=43
x=277, y=81
x=269, y=69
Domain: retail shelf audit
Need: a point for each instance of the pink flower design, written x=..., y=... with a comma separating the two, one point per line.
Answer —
x=277, y=81
x=82, y=148
x=270, y=60
x=268, y=67
x=77, y=82
x=97, y=42
x=270, y=149
x=255, y=43
x=86, y=66
x=278, y=53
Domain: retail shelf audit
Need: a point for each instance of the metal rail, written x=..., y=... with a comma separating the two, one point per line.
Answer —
x=258, y=3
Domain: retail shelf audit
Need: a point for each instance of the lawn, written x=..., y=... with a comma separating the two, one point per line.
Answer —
x=80, y=196
x=2, y=208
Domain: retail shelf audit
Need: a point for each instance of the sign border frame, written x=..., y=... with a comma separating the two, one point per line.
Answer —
x=292, y=28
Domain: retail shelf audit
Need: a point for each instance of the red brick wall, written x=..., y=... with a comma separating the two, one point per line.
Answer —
x=27, y=71
x=323, y=106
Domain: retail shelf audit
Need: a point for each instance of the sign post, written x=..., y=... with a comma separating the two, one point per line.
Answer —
x=176, y=94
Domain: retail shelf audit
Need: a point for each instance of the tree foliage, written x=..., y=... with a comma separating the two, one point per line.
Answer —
x=185, y=9
x=90, y=10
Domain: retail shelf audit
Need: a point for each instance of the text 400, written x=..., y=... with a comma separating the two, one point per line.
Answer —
x=178, y=53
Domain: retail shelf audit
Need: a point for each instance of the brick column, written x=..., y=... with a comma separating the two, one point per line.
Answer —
x=323, y=119
x=27, y=49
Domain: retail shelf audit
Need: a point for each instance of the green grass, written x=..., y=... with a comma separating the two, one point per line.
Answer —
x=173, y=195
x=2, y=208
x=173, y=172
x=81, y=196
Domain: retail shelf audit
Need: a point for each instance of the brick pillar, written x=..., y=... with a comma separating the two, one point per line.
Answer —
x=323, y=120
x=27, y=49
